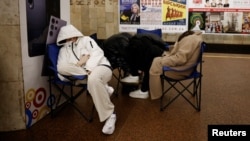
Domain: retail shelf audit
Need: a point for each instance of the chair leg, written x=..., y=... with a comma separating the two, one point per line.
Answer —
x=118, y=78
x=71, y=100
x=165, y=92
x=51, y=100
x=196, y=93
x=90, y=118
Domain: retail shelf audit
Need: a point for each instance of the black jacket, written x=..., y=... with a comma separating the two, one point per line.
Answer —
x=115, y=50
x=143, y=48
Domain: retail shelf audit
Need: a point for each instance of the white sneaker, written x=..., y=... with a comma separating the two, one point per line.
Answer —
x=130, y=79
x=109, y=126
x=110, y=89
x=139, y=94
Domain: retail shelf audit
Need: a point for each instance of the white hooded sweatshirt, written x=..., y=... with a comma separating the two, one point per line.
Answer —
x=71, y=52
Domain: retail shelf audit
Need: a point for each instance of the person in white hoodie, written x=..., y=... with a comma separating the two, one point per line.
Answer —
x=80, y=55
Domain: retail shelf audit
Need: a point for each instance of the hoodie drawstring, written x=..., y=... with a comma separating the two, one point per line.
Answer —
x=72, y=44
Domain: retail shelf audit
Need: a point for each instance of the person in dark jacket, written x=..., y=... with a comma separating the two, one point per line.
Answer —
x=142, y=49
x=134, y=54
x=114, y=49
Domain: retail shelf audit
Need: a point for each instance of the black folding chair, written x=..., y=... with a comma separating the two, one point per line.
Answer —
x=189, y=88
x=61, y=86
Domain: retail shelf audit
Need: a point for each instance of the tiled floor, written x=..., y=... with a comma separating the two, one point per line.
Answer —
x=225, y=100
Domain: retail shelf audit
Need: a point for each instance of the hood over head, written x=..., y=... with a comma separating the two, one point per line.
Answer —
x=66, y=32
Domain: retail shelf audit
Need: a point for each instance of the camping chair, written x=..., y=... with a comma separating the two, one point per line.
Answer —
x=61, y=86
x=189, y=88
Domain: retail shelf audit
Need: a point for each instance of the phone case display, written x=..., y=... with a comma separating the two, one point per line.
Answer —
x=38, y=16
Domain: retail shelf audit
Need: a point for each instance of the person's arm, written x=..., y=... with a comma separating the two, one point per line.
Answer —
x=181, y=52
x=83, y=59
x=96, y=54
x=62, y=57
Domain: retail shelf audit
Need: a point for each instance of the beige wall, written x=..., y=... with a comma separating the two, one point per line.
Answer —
x=95, y=16
x=90, y=16
x=12, y=115
x=101, y=16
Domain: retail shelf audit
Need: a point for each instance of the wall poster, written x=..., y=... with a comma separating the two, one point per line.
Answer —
x=173, y=16
x=151, y=14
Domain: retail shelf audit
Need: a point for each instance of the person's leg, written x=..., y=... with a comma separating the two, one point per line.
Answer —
x=97, y=87
x=97, y=82
x=145, y=82
x=143, y=92
x=132, y=77
x=155, y=51
x=132, y=58
x=154, y=78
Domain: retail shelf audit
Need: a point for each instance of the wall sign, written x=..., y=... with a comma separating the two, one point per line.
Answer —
x=173, y=16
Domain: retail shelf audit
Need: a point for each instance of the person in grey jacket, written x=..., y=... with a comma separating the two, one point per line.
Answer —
x=80, y=55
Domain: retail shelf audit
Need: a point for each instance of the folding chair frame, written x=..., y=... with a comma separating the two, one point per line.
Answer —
x=70, y=98
x=60, y=85
x=118, y=78
x=194, y=81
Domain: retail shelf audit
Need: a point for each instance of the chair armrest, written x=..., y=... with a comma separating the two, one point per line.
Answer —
x=75, y=77
x=166, y=68
x=71, y=77
x=177, y=69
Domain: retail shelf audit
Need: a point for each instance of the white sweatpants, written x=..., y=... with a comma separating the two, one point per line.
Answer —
x=70, y=69
x=97, y=80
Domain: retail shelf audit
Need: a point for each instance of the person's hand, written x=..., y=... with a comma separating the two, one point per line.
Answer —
x=83, y=60
x=88, y=72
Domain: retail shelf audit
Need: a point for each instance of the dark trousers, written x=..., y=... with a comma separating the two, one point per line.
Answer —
x=144, y=65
